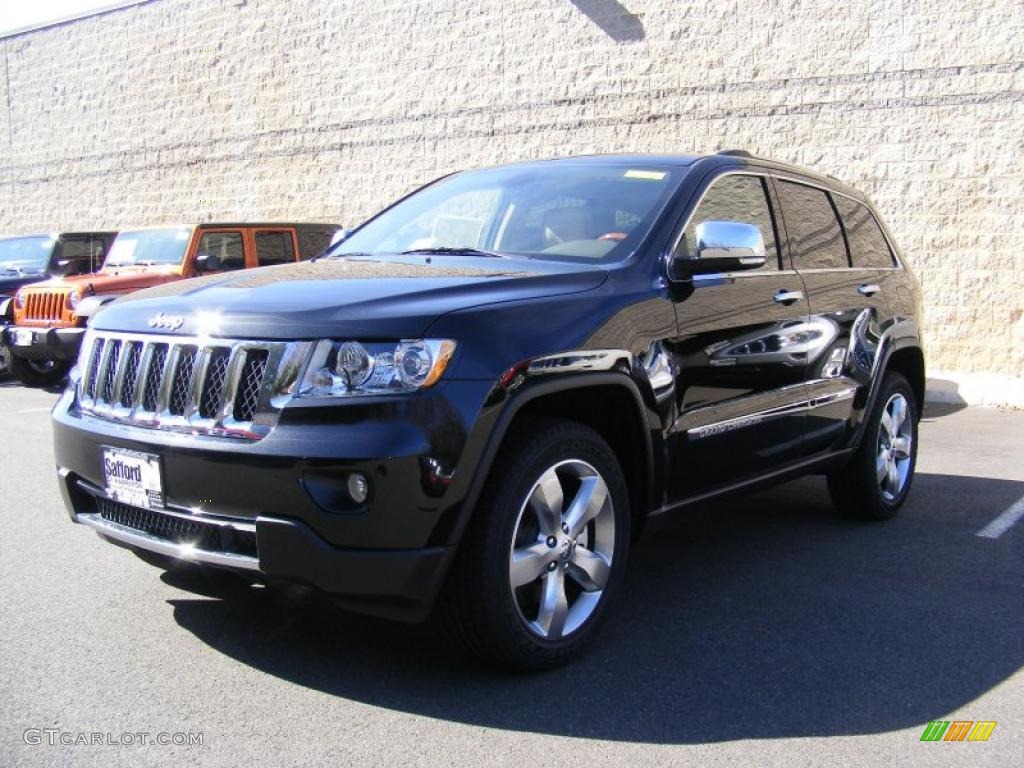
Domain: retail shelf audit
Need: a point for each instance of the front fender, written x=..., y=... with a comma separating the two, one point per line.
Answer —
x=520, y=387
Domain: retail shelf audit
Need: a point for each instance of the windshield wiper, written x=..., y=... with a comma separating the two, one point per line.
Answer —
x=454, y=251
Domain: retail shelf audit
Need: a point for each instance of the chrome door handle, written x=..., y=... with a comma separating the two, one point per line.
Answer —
x=788, y=297
x=868, y=289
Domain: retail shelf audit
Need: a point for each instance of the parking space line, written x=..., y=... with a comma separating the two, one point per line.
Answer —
x=1004, y=522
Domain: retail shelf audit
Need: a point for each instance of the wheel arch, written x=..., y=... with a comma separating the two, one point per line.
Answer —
x=602, y=401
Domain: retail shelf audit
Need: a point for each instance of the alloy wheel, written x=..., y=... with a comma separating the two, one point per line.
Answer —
x=562, y=549
x=895, y=444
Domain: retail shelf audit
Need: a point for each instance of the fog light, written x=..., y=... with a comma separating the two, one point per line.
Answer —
x=358, y=487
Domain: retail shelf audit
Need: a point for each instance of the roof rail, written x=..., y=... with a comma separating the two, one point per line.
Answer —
x=734, y=152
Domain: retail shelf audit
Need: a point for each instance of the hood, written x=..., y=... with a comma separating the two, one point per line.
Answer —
x=368, y=298
x=119, y=280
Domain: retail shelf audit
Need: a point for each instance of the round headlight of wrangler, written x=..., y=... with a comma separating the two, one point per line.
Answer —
x=354, y=362
x=74, y=297
x=414, y=362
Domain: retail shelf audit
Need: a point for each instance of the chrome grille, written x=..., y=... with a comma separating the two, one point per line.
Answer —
x=249, y=390
x=221, y=387
x=131, y=373
x=154, y=375
x=94, y=368
x=182, y=380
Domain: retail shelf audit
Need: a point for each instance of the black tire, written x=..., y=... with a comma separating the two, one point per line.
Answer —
x=481, y=607
x=5, y=360
x=39, y=373
x=857, y=490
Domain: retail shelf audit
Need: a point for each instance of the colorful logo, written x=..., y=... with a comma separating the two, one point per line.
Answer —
x=958, y=730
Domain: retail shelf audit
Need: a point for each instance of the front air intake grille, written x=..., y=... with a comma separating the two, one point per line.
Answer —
x=45, y=305
x=180, y=529
x=205, y=386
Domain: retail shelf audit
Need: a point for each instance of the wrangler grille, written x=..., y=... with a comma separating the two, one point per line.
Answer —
x=218, y=387
x=180, y=530
x=44, y=305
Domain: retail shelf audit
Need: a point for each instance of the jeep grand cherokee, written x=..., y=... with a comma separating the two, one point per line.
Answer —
x=474, y=401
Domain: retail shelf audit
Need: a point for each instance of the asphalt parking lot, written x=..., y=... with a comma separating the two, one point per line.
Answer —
x=765, y=630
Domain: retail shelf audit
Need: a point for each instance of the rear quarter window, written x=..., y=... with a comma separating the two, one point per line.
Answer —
x=868, y=246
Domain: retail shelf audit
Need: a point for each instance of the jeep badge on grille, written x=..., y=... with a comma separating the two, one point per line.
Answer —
x=170, y=322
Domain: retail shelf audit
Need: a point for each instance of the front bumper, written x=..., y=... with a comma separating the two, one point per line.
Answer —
x=275, y=508
x=43, y=343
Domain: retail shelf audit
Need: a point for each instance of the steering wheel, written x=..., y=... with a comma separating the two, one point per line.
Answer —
x=618, y=236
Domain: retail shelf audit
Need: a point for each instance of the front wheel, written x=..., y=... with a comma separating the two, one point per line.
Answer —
x=38, y=373
x=546, y=550
x=876, y=482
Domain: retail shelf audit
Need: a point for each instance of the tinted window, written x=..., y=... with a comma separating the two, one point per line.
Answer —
x=868, y=246
x=81, y=255
x=741, y=199
x=814, y=234
x=24, y=255
x=226, y=246
x=274, y=248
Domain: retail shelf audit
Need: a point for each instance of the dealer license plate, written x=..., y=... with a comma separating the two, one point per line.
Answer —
x=133, y=478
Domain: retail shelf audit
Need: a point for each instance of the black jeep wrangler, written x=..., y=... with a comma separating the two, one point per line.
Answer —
x=472, y=403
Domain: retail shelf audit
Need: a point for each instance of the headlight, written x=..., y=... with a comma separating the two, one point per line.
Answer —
x=74, y=297
x=19, y=299
x=343, y=369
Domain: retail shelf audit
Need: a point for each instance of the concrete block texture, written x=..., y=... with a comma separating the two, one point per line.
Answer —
x=176, y=110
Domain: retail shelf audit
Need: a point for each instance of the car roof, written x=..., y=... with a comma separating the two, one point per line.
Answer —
x=731, y=157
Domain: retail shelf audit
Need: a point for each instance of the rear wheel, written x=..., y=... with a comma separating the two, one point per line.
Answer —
x=38, y=373
x=546, y=550
x=876, y=482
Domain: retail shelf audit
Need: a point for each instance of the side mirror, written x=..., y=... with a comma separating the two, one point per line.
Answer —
x=721, y=246
x=207, y=262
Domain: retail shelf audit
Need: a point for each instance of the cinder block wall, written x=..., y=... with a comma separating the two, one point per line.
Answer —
x=308, y=109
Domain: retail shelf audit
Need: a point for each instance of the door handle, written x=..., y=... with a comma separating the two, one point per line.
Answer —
x=787, y=297
x=868, y=289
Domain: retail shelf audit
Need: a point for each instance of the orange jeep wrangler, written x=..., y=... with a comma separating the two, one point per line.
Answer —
x=49, y=318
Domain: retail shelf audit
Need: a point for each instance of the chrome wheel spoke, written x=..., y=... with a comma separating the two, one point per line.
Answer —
x=899, y=414
x=893, y=477
x=554, y=607
x=887, y=422
x=546, y=502
x=589, y=569
x=882, y=466
x=587, y=504
x=528, y=563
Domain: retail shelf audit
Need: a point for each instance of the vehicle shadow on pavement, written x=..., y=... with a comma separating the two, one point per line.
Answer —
x=763, y=617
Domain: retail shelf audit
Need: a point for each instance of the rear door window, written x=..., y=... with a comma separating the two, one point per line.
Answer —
x=227, y=247
x=868, y=246
x=274, y=247
x=815, y=237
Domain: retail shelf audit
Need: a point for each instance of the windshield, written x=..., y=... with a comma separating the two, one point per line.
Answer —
x=25, y=255
x=574, y=212
x=148, y=246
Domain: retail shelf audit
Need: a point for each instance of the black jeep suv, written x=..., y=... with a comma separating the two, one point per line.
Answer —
x=476, y=399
